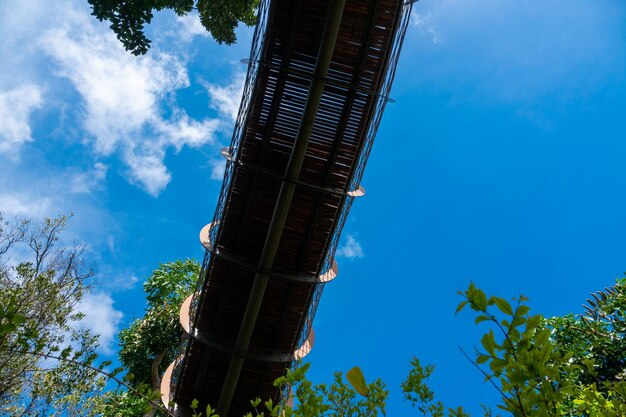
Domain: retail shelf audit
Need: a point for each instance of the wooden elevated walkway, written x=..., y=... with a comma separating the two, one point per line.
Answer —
x=278, y=220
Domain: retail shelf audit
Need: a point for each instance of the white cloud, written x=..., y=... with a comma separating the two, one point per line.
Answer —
x=121, y=92
x=85, y=182
x=101, y=318
x=425, y=25
x=148, y=171
x=128, y=104
x=16, y=106
x=20, y=25
x=190, y=27
x=187, y=131
x=226, y=99
x=351, y=249
x=218, y=168
x=20, y=204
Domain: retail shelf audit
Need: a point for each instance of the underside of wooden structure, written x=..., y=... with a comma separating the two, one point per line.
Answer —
x=312, y=103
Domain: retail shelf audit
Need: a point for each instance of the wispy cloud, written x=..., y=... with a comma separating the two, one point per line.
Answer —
x=516, y=51
x=190, y=27
x=351, y=249
x=115, y=279
x=226, y=99
x=217, y=169
x=16, y=106
x=125, y=282
x=86, y=181
x=425, y=25
x=24, y=205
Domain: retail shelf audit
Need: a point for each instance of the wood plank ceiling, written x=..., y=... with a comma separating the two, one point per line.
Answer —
x=284, y=57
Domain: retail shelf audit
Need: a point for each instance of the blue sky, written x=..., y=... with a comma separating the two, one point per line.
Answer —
x=501, y=162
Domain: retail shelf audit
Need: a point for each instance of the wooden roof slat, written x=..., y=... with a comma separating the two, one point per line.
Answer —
x=358, y=68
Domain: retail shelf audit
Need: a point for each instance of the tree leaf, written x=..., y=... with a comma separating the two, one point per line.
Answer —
x=482, y=359
x=497, y=365
x=503, y=305
x=532, y=323
x=357, y=380
x=522, y=310
x=542, y=337
x=481, y=318
x=489, y=343
x=460, y=307
x=480, y=300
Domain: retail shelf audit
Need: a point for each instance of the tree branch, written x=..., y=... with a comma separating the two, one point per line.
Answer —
x=100, y=371
x=490, y=379
x=506, y=334
x=156, y=380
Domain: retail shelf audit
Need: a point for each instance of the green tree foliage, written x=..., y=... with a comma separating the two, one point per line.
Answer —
x=127, y=403
x=416, y=391
x=561, y=366
x=38, y=299
x=597, y=335
x=564, y=366
x=151, y=342
x=128, y=17
x=354, y=398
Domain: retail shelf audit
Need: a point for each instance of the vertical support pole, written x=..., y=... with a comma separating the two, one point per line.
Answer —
x=285, y=197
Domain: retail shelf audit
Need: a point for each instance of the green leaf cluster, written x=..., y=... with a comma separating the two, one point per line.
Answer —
x=355, y=398
x=552, y=367
x=149, y=344
x=416, y=391
x=560, y=366
x=128, y=17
